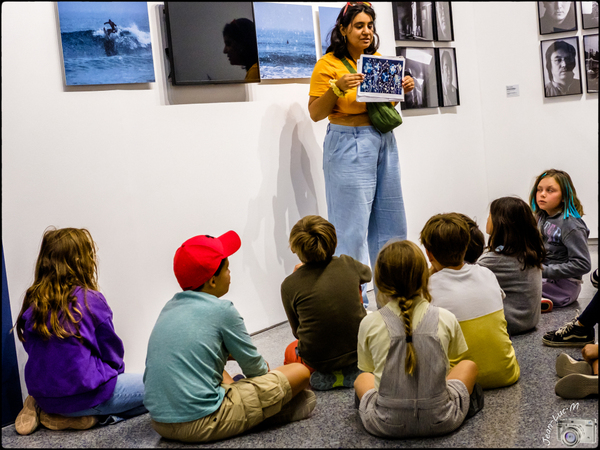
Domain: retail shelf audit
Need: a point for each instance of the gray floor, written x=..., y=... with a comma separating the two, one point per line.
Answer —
x=522, y=415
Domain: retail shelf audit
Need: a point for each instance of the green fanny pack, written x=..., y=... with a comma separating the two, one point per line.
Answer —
x=383, y=115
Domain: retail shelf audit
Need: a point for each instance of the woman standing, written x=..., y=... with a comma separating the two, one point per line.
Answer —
x=362, y=170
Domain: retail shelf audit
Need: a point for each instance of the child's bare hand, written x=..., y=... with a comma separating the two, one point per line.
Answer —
x=590, y=352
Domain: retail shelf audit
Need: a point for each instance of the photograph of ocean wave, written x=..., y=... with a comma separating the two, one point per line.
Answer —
x=106, y=42
x=286, y=40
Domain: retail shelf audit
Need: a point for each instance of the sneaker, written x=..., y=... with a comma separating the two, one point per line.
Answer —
x=58, y=422
x=547, y=305
x=324, y=381
x=476, y=400
x=566, y=365
x=570, y=335
x=350, y=374
x=29, y=418
x=298, y=408
x=576, y=385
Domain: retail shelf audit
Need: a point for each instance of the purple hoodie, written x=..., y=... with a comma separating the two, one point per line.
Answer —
x=69, y=375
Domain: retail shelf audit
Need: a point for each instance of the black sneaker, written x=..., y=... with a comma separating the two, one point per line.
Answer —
x=475, y=401
x=571, y=335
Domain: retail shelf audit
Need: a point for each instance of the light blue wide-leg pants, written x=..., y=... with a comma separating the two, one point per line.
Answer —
x=362, y=186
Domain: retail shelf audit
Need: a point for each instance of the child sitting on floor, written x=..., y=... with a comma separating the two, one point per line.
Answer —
x=75, y=372
x=473, y=294
x=408, y=388
x=323, y=303
x=191, y=398
x=515, y=253
x=554, y=201
x=476, y=243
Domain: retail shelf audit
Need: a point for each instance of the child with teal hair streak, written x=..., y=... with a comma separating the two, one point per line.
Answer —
x=554, y=201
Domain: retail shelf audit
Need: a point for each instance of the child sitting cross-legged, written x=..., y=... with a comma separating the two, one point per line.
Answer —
x=323, y=302
x=407, y=388
x=473, y=294
x=189, y=395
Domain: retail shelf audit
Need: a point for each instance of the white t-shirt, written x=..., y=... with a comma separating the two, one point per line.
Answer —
x=470, y=292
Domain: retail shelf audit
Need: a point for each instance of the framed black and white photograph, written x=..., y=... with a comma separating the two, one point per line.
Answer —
x=448, y=76
x=590, y=50
x=443, y=29
x=562, y=74
x=413, y=21
x=420, y=63
x=589, y=15
x=557, y=17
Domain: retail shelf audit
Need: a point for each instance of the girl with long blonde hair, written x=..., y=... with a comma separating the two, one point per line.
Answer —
x=75, y=371
x=407, y=389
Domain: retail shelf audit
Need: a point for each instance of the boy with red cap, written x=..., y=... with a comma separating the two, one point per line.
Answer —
x=189, y=395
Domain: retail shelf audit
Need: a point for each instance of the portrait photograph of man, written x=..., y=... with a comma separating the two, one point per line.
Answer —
x=562, y=75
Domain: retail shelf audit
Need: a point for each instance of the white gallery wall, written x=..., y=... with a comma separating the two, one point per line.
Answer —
x=145, y=167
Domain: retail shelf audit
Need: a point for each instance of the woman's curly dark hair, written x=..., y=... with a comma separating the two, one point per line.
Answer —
x=338, y=43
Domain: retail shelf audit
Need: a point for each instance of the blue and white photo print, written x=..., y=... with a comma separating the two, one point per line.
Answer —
x=286, y=40
x=105, y=42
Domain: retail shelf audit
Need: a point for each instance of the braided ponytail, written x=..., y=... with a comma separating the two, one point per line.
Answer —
x=401, y=274
x=411, y=356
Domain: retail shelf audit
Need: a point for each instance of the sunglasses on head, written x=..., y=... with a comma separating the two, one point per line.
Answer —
x=354, y=4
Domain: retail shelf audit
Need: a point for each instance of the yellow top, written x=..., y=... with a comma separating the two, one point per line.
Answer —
x=491, y=349
x=331, y=68
x=474, y=296
x=374, y=338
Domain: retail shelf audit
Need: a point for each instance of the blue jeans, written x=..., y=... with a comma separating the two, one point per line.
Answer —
x=127, y=401
x=362, y=186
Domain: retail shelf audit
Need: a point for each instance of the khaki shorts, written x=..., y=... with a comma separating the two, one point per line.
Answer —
x=247, y=402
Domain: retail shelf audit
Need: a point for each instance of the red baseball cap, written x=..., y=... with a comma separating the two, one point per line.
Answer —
x=198, y=258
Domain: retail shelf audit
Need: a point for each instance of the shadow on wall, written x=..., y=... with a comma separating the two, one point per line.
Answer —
x=295, y=196
x=295, y=166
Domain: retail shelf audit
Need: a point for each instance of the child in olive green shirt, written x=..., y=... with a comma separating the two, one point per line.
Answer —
x=323, y=302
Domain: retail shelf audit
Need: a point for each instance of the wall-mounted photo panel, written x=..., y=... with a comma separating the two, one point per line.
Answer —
x=420, y=63
x=589, y=15
x=590, y=50
x=443, y=29
x=448, y=76
x=562, y=75
x=286, y=40
x=327, y=19
x=413, y=21
x=222, y=50
x=557, y=17
x=105, y=42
